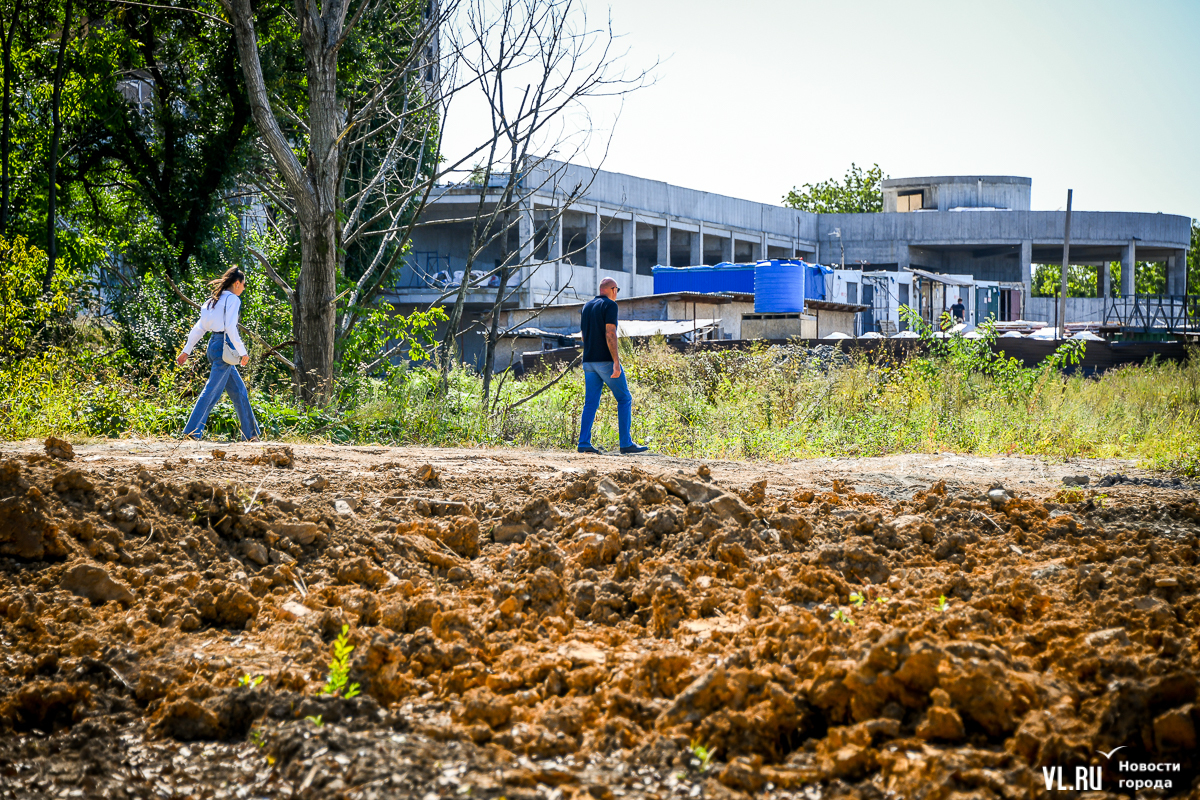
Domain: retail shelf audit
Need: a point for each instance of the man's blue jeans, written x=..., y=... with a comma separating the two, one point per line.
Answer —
x=597, y=375
x=223, y=378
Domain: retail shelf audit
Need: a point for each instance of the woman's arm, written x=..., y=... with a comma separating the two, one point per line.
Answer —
x=232, y=308
x=193, y=337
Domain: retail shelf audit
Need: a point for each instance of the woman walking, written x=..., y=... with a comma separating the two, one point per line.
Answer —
x=219, y=316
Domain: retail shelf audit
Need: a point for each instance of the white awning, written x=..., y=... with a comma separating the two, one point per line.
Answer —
x=933, y=276
x=636, y=328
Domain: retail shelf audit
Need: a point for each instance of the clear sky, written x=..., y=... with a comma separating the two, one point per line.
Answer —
x=753, y=97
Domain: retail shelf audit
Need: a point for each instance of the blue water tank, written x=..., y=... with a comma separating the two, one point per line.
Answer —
x=723, y=277
x=779, y=287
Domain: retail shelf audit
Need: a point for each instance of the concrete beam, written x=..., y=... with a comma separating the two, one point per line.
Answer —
x=1128, y=265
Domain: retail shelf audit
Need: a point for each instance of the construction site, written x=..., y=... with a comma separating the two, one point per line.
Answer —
x=317, y=621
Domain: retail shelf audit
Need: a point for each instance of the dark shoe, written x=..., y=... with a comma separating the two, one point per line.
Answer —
x=634, y=448
x=591, y=448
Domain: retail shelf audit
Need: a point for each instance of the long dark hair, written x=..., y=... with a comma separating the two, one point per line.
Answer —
x=221, y=284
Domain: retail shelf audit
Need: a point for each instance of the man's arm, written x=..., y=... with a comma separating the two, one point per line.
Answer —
x=610, y=336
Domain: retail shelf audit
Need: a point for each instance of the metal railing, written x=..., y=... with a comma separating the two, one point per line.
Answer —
x=1154, y=313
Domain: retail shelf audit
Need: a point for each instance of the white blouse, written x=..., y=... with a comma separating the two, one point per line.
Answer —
x=221, y=318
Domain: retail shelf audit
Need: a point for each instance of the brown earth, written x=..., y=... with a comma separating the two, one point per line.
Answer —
x=550, y=625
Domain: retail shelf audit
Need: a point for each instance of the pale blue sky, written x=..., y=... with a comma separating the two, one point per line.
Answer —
x=753, y=97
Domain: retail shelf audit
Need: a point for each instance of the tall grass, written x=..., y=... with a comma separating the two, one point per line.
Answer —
x=767, y=404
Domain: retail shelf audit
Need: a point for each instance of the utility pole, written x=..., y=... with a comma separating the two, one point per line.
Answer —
x=1062, y=291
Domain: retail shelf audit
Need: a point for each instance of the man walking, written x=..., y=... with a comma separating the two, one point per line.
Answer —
x=959, y=311
x=602, y=366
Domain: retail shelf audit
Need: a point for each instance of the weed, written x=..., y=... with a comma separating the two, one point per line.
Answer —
x=246, y=680
x=881, y=600
x=339, y=668
x=1071, y=494
x=841, y=616
x=315, y=720
x=942, y=604
x=258, y=738
x=858, y=599
x=701, y=756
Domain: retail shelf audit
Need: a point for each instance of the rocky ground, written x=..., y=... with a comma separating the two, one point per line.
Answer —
x=545, y=625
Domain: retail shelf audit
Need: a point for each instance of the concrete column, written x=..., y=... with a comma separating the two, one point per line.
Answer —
x=525, y=239
x=664, y=244
x=592, y=253
x=727, y=250
x=1128, y=265
x=698, y=246
x=903, y=257
x=1105, y=281
x=555, y=248
x=1027, y=270
x=1176, y=272
x=629, y=245
x=763, y=248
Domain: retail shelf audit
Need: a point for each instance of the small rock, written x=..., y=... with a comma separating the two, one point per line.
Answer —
x=59, y=448
x=427, y=474
x=316, y=483
x=1101, y=638
x=292, y=610
x=342, y=507
x=513, y=533
x=256, y=552
x=609, y=489
x=998, y=497
x=1075, y=480
x=299, y=532
x=1166, y=583
x=94, y=583
x=218, y=455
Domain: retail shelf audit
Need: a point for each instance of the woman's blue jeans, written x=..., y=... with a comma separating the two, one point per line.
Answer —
x=597, y=375
x=223, y=378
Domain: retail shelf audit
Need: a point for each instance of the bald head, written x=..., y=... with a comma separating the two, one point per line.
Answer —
x=609, y=288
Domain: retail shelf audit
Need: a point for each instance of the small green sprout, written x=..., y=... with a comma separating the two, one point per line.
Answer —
x=858, y=599
x=246, y=680
x=881, y=600
x=315, y=720
x=339, y=668
x=841, y=616
x=701, y=756
x=942, y=604
x=258, y=738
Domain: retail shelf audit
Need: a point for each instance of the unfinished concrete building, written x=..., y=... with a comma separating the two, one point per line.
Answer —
x=575, y=226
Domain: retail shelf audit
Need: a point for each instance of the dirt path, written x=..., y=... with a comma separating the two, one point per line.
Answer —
x=892, y=476
x=548, y=625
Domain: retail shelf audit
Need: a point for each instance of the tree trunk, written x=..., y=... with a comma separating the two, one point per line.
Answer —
x=6, y=133
x=313, y=186
x=489, y=355
x=55, y=110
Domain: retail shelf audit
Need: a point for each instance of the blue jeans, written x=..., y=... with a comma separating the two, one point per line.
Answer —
x=223, y=378
x=597, y=375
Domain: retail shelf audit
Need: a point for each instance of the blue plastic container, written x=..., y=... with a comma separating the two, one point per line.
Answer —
x=779, y=286
x=724, y=277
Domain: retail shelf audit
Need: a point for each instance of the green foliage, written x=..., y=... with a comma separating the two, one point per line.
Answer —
x=315, y=719
x=859, y=192
x=246, y=680
x=339, y=668
x=1150, y=277
x=857, y=599
x=841, y=616
x=942, y=604
x=28, y=316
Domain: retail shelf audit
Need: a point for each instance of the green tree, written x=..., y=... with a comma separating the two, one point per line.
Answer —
x=859, y=192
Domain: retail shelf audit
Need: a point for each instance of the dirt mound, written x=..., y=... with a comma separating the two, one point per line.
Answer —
x=592, y=632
